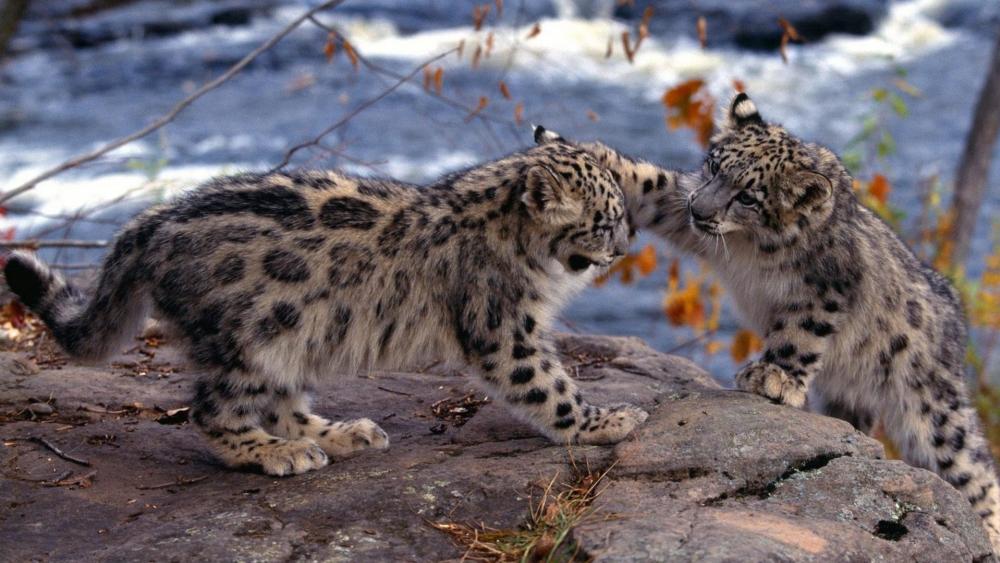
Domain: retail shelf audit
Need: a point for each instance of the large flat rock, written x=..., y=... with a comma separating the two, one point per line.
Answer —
x=713, y=474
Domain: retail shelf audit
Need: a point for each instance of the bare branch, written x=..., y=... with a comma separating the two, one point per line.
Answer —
x=170, y=115
x=35, y=243
x=365, y=105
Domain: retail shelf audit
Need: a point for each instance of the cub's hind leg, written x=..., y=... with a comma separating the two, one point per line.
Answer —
x=935, y=427
x=229, y=408
x=290, y=416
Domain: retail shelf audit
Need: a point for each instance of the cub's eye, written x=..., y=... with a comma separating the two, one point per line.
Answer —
x=713, y=167
x=746, y=198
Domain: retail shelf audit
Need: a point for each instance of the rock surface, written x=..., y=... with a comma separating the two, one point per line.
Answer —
x=713, y=474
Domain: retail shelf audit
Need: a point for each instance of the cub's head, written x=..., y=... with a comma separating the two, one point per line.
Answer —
x=577, y=202
x=759, y=181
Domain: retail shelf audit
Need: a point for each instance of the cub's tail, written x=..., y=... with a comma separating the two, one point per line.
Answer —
x=85, y=326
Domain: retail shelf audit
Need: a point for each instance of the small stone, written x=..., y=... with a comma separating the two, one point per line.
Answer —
x=41, y=409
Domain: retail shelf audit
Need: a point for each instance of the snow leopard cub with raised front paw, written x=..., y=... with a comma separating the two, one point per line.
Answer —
x=279, y=280
x=851, y=318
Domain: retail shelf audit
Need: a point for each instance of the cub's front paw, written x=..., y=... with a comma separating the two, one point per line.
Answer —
x=769, y=380
x=609, y=425
x=290, y=457
x=344, y=438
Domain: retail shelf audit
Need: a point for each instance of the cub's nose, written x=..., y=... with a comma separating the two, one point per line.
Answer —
x=698, y=216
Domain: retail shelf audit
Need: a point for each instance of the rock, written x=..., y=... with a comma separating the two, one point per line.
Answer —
x=13, y=364
x=712, y=475
x=753, y=24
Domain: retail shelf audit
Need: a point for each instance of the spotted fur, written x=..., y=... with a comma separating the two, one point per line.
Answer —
x=852, y=319
x=279, y=280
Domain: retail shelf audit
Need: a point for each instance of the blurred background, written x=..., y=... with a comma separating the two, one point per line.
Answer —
x=892, y=86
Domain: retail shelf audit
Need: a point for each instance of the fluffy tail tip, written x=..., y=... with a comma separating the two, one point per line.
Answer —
x=27, y=278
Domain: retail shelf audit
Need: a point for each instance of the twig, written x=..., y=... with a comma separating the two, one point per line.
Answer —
x=365, y=105
x=35, y=243
x=170, y=115
x=175, y=483
x=393, y=391
x=75, y=266
x=59, y=452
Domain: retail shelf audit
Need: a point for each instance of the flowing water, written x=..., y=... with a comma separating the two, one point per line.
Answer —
x=57, y=102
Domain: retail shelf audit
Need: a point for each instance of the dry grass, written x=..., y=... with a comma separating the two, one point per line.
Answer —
x=547, y=533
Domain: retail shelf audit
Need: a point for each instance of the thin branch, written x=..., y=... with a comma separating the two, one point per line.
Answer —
x=170, y=115
x=365, y=105
x=35, y=243
x=59, y=452
x=176, y=483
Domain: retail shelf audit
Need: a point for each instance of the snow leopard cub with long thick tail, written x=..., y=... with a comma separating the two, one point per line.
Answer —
x=851, y=318
x=280, y=280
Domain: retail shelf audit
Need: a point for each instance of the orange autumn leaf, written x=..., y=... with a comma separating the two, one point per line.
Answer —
x=702, y=31
x=535, y=30
x=713, y=347
x=879, y=189
x=519, y=113
x=674, y=275
x=645, y=260
x=330, y=48
x=745, y=342
x=685, y=307
x=439, y=79
x=489, y=44
x=504, y=90
x=738, y=85
x=689, y=105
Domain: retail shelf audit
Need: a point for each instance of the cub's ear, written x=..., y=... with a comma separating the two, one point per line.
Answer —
x=809, y=189
x=544, y=136
x=549, y=197
x=742, y=112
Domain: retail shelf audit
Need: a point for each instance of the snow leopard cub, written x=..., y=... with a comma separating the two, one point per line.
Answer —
x=280, y=280
x=851, y=318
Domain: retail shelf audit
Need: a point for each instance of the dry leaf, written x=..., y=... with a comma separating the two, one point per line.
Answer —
x=626, y=45
x=738, y=85
x=476, y=55
x=330, y=48
x=479, y=14
x=499, y=6
x=519, y=113
x=483, y=102
x=504, y=90
x=353, y=56
x=610, y=49
x=535, y=30
x=439, y=79
x=788, y=33
x=592, y=115
x=489, y=44
x=879, y=188
x=461, y=48
x=702, y=31
x=428, y=76
x=745, y=342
